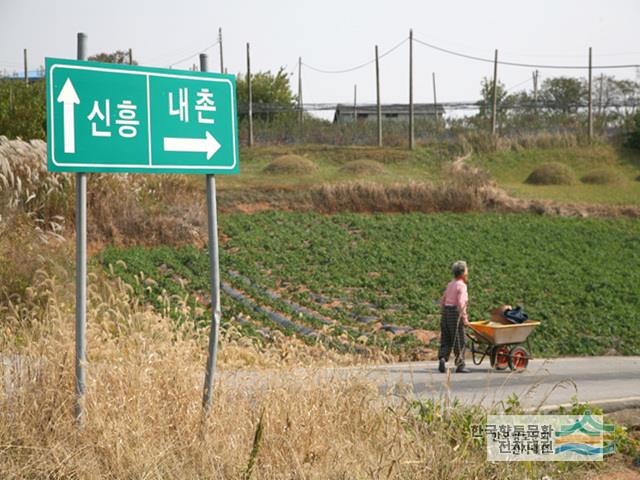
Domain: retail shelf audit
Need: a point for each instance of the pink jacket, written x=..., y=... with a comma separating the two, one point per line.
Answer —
x=456, y=295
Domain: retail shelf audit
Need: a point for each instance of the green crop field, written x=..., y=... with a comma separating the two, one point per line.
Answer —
x=579, y=277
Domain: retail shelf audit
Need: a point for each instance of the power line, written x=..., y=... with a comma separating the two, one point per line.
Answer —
x=517, y=85
x=357, y=67
x=195, y=54
x=517, y=64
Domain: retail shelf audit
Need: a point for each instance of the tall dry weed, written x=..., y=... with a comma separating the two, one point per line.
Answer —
x=144, y=416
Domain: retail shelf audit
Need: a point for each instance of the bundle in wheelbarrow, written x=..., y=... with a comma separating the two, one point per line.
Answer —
x=502, y=343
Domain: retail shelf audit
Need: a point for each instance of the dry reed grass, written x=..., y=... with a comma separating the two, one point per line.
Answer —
x=466, y=189
x=121, y=208
x=144, y=418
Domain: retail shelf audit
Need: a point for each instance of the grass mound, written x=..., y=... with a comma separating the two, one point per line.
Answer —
x=551, y=174
x=602, y=176
x=363, y=167
x=291, y=165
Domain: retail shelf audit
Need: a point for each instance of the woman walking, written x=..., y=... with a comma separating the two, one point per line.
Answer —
x=454, y=318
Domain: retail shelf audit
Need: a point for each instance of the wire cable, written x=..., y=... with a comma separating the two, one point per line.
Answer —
x=517, y=64
x=518, y=84
x=195, y=54
x=357, y=67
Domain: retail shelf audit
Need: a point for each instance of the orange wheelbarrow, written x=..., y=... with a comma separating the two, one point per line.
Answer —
x=503, y=344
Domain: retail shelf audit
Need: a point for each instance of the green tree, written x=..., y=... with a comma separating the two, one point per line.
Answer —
x=22, y=109
x=486, y=104
x=563, y=94
x=633, y=137
x=119, y=56
x=270, y=92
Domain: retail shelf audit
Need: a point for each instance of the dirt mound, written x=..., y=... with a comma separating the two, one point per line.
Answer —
x=552, y=174
x=363, y=167
x=602, y=176
x=291, y=165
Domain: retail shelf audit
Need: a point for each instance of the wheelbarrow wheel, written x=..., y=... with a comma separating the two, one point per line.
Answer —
x=500, y=357
x=518, y=358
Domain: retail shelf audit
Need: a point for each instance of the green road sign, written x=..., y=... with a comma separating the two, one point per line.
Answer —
x=120, y=118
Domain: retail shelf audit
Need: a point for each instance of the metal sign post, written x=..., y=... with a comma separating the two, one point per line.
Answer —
x=122, y=118
x=81, y=272
x=216, y=313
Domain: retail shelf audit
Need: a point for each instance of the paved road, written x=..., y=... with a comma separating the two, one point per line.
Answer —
x=548, y=382
x=613, y=380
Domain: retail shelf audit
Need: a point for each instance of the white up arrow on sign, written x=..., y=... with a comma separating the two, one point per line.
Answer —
x=69, y=98
x=207, y=144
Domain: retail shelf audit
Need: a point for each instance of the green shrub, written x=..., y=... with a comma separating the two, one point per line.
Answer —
x=602, y=176
x=551, y=174
x=291, y=165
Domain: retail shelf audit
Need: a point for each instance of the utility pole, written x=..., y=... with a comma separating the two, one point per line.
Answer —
x=435, y=98
x=250, y=113
x=379, y=107
x=590, y=100
x=495, y=94
x=535, y=91
x=26, y=70
x=130, y=57
x=412, y=140
x=355, y=103
x=300, y=105
x=220, y=43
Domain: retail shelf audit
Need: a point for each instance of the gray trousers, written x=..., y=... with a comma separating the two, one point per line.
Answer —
x=452, y=335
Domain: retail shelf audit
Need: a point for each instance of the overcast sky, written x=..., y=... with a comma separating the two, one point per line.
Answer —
x=336, y=34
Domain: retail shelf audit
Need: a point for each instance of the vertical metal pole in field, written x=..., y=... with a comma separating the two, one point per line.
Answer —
x=250, y=98
x=81, y=273
x=494, y=95
x=220, y=44
x=435, y=98
x=212, y=220
x=300, y=105
x=355, y=102
x=412, y=139
x=590, y=100
x=378, y=105
x=130, y=57
x=26, y=70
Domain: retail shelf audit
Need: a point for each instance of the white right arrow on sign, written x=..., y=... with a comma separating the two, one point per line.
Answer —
x=208, y=145
x=69, y=98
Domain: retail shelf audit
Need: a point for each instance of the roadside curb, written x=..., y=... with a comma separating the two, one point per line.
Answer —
x=607, y=405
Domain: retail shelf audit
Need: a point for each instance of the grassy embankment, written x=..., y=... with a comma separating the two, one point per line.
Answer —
x=508, y=167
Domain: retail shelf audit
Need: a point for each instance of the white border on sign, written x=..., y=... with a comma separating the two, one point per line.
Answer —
x=150, y=165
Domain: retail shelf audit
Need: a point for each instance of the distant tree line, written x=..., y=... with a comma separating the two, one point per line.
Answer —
x=559, y=103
